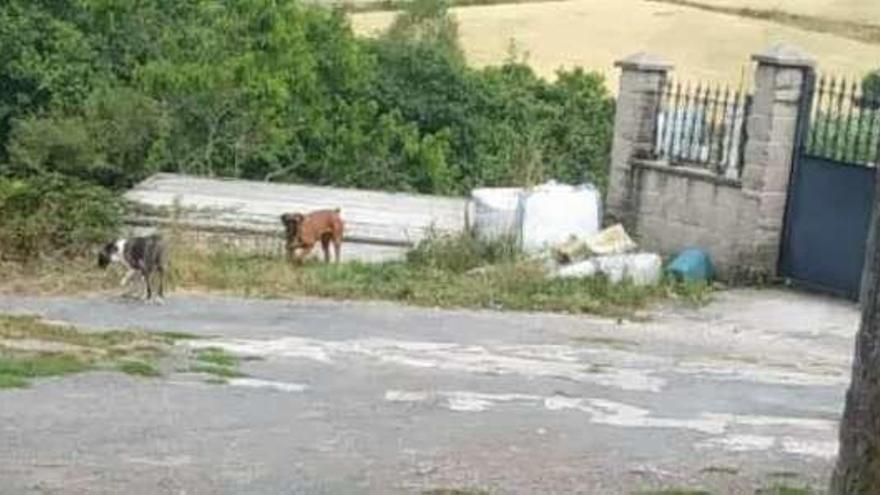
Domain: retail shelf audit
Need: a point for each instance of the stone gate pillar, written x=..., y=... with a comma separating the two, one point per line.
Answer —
x=642, y=79
x=771, y=130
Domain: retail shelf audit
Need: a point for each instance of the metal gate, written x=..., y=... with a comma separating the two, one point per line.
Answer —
x=832, y=187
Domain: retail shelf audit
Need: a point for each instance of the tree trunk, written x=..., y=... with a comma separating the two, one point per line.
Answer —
x=858, y=463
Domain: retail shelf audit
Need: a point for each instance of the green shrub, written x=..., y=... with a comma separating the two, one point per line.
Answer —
x=282, y=90
x=111, y=140
x=460, y=253
x=53, y=214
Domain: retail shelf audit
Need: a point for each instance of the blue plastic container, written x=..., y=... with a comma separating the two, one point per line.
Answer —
x=692, y=265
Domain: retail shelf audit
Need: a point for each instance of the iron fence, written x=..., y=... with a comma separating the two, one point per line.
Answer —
x=702, y=126
x=845, y=123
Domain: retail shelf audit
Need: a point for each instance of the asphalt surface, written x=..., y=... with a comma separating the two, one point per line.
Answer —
x=376, y=398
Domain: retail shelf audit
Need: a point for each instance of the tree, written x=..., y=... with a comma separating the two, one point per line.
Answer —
x=858, y=463
x=871, y=89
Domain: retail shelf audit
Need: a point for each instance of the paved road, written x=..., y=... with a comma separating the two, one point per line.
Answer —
x=375, y=398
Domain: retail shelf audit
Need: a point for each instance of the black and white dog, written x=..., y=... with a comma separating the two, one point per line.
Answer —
x=140, y=255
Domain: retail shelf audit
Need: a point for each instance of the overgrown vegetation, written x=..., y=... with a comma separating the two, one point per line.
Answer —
x=217, y=363
x=454, y=271
x=31, y=348
x=451, y=272
x=101, y=94
x=54, y=214
x=280, y=90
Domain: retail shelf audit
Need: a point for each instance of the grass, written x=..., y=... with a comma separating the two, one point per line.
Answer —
x=454, y=272
x=218, y=371
x=785, y=490
x=851, y=29
x=216, y=362
x=448, y=273
x=139, y=368
x=12, y=381
x=393, y=5
x=216, y=356
x=31, y=348
x=589, y=34
x=176, y=336
x=17, y=370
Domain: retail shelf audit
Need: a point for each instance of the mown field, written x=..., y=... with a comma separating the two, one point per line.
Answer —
x=850, y=10
x=704, y=45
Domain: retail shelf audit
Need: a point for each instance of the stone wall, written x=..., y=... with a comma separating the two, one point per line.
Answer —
x=671, y=206
x=680, y=207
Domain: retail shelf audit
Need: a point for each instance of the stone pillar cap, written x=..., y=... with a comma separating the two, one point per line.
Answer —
x=644, y=62
x=784, y=55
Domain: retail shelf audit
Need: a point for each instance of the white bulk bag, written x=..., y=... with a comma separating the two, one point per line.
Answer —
x=552, y=214
x=494, y=211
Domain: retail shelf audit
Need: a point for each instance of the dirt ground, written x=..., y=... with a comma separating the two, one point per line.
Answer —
x=704, y=46
x=377, y=398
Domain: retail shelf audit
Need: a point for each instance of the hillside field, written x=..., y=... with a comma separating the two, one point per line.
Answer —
x=703, y=45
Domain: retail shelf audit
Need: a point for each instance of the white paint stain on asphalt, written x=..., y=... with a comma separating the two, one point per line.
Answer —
x=730, y=432
x=749, y=372
x=824, y=449
x=613, y=413
x=267, y=384
x=461, y=401
x=631, y=371
x=778, y=421
x=813, y=448
x=740, y=443
x=613, y=368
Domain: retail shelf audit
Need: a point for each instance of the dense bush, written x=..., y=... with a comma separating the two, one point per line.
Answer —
x=50, y=214
x=282, y=90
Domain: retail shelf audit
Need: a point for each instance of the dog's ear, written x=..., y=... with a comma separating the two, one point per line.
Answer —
x=290, y=221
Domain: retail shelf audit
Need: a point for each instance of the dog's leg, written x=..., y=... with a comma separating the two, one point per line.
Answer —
x=337, y=248
x=148, y=284
x=290, y=247
x=325, y=246
x=126, y=281
x=127, y=278
x=305, y=249
x=161, y=274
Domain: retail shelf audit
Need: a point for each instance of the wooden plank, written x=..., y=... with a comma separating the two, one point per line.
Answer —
x=235, y=204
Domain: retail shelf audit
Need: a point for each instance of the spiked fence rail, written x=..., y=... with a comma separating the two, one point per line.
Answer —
x=845, y=123
x=702, y=126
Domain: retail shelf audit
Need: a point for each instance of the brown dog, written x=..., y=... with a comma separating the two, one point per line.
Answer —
x=302, y=232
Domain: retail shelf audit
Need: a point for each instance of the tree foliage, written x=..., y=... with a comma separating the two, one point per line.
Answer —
x=52, y=214
x=109, y=92
x=871, y=89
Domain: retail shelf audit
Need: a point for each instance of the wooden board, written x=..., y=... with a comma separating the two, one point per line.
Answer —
x=249, y=207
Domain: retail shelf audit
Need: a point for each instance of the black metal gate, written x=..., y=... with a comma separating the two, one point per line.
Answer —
x=832, y=187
